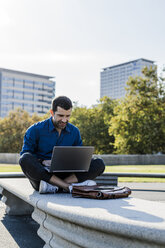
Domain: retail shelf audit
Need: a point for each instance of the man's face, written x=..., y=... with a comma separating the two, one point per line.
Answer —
x=61, y=117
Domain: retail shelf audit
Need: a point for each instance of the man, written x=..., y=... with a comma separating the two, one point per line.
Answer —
x=39, y=141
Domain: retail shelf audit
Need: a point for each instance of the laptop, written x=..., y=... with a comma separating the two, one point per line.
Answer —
x=71, y=158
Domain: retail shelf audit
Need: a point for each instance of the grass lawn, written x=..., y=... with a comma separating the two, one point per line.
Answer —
x=113, y=168
x=137, y=169
x=10, y=168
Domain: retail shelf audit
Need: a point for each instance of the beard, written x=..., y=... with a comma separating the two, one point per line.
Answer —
x=60, y=124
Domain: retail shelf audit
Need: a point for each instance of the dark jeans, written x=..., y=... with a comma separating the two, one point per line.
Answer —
x=36, y=172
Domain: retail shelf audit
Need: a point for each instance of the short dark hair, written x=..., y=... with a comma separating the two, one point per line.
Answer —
x=61, y=101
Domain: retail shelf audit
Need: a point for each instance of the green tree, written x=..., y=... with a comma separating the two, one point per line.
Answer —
x=12, y=130
x=94, y=123
x=139, y=120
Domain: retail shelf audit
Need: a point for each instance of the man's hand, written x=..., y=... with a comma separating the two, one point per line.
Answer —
x=46, y=163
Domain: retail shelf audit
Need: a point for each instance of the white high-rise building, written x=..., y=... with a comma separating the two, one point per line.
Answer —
x=113, y=79
x=31, y=92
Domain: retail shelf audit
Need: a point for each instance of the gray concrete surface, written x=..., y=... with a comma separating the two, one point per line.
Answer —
x=9, y=158
x=147, y=159
x=21, y=232
x=147, y=191
x=109, y=159
x=127, y=222
x=18, y=231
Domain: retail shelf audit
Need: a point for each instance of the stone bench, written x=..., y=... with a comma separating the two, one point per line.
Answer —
x=68, y=222
x=105, y=178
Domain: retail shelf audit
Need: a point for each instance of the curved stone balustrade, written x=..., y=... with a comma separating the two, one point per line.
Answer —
x=76, y=222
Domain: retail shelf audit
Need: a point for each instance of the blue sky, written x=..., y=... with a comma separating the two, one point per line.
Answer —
x=74, y=39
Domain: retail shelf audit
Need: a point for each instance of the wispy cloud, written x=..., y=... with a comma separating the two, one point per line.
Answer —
x=48, y=57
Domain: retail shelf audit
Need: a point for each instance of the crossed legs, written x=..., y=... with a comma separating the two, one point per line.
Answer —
x=36, y=172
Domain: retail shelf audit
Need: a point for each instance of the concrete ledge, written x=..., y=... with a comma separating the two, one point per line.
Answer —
x=9, y=158
x=130, y=222
x=77, y=222
x=12, y=175
x=107, y=179
x=147, y=159
x=15, y=204
x=109, y=159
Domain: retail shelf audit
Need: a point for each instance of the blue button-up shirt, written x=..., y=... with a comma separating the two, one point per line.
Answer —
x=41, y=137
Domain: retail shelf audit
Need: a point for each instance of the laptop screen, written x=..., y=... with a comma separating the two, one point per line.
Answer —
x=71, y=158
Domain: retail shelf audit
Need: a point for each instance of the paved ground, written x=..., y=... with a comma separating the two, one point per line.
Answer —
x=18, y=232
x=147, y=191
x=21, y=232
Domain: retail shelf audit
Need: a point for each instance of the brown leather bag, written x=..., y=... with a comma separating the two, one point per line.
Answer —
x=100, y=192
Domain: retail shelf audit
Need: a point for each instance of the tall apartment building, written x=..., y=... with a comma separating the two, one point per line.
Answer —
x=113, y=79
x=31, y=92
